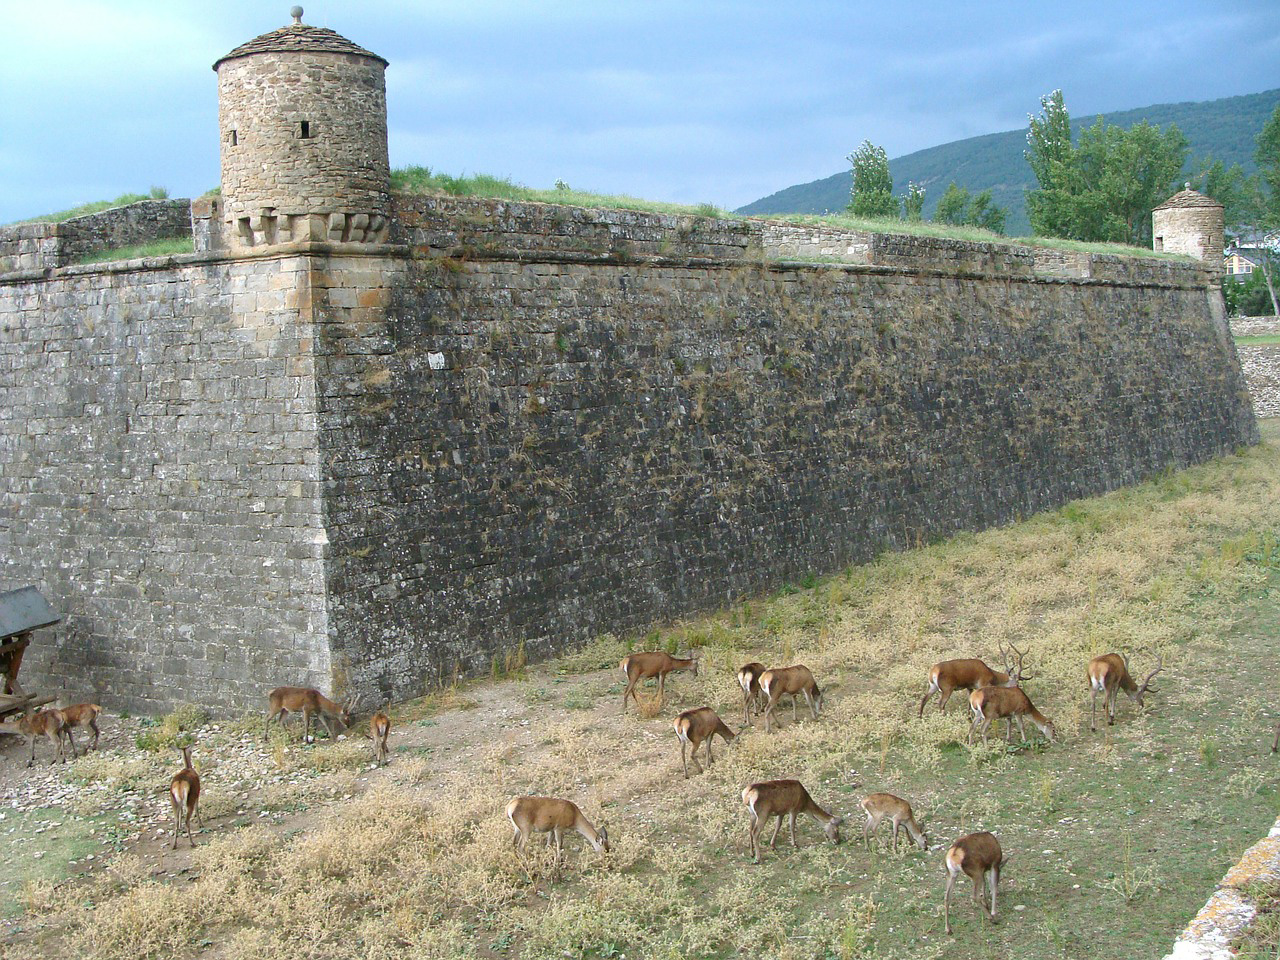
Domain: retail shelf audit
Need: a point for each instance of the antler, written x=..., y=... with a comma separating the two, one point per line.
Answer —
x=1021, y=674
x=1159, y=667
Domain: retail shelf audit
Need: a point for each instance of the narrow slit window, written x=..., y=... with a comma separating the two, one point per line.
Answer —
x=232, y=138
x=304, y=130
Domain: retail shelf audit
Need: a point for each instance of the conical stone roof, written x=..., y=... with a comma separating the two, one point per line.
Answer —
x=1188, y=198
x=300, y=38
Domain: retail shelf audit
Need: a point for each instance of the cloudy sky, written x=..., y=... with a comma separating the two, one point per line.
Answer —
x=719, y=101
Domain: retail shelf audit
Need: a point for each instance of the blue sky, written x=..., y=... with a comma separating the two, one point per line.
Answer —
x=693, y=101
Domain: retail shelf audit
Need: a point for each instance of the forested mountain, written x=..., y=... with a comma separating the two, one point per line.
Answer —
x=1222, y=129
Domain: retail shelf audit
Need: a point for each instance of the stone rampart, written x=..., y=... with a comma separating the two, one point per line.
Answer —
x=527, y=424
x=41, y=246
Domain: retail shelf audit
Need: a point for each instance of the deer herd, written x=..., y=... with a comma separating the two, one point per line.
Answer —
x=993, y=695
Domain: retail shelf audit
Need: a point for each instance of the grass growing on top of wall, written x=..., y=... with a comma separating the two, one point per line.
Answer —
x=416, y=179
x=1116, y=837
x=972, y=234
x=97, y=206
x=156, y=248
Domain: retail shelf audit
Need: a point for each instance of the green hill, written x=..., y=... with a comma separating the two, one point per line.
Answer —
x=1223, y=129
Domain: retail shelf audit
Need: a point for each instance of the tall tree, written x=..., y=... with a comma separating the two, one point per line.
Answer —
x=1106, y=187
x=1267, y=157
x=913, y=203
x=958, y=207
x=872, y=194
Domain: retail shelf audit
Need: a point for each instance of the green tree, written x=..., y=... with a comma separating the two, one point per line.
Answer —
x=958, y=207
x=1106, y=187
x=872, y=194
x=913, y=203
x=1267, y=194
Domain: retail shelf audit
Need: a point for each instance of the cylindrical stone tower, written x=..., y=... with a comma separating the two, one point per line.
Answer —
x=302, y=113
x=1190, y=223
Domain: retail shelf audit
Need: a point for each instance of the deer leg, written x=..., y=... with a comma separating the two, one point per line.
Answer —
x=662, y=689
x=794, y=697
x=56, y=740
x=177, y=822
x=942, y=700
x=31, y=741
x=946, y=900
x=866, y=833
x=977, y=717
x=925, y=699
x=774, y=839
x=768, y=712
x=629, y=692
x=1112, y=714
x=895, y=836
x=978, y=900
x=746, y=708
x=93, y=724
x=710, y=760
x=1276, y=742
x=986, y=729
x=683, y=745
x=1022, y=730
x=793, y=828
x=753, y=828
x=190, y=839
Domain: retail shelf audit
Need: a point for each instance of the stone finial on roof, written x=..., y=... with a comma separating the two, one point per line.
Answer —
x=1188, y=198
x=296, y=13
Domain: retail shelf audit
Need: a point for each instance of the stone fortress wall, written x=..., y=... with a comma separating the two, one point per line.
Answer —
x=378, y=465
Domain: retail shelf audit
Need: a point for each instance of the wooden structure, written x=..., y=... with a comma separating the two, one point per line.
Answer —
x=22, y=612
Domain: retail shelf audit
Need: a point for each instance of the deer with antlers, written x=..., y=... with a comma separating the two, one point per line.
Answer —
x=308, y=702
x=885, y=806
x=783, y=798
x=1010, y=704
x=1108, y=675
x=184, y=797
x=951, y=675
x=552, y=816
x=749, y=680
x=793, y=681
x=654, y=663
x=693, y=727
x=977, y=856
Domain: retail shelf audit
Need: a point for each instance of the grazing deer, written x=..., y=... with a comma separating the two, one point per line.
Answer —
x=976, y=855
x=43, y=723
x=80, y=715
x=951, y=675
x=780, y=798
x=781, y=681
x=639, y=666
x=749, y=681
x=184, y=797
x=1108, y=675
x=379, y=729
x=1010, y=703
x=304, y=700
x=882, y=806
x=698, y=725
x=553, y=817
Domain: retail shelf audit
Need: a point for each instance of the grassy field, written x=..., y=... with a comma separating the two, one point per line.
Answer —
x=1261, y=340
x=156, y=248
x=1116, y=837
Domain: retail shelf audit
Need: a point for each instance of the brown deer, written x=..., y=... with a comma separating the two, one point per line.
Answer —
x=1010, y=703
x=749, y=681
x=284, y=700
x=781, y=681
x=1108, y=675
x=881, y=806
x=1275, y=743
x=951, y=675
x=552, y=816
x=184, y=797
x=693, y=727
x=781, y=798
x=43, y=723
x=81, y=715
x=977, y=855
x=655, y=663
x=379, y=729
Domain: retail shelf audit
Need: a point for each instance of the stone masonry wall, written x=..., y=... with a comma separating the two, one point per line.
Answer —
x=534, y=451
x=159, y=480
x=41, y=246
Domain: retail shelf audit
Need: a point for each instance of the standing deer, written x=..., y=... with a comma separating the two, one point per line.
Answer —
x=379, y=729
x=304, y=700
x=184, y=797
x=781, y=798
x=994, y=703
x=552, y=816
x=749, y=681
x=43, y=723
x=976, y=855
x=781, y=681
x=881, y=806
x=639, y=666
x=1108, y=675
x=81, y=715
x=698, y=725
x=951, y=675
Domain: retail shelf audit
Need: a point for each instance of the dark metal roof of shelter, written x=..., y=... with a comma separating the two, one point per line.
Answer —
x=300, y=38
x=22, y=610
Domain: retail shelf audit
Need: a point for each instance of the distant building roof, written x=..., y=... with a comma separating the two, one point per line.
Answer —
x=1188, y=198
x=1252, y=254
x=299, y=38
